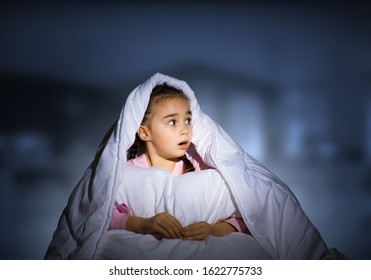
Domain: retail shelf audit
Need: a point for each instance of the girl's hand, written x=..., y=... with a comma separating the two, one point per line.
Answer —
x=202, y=230
x=197, y=231
x=165, y=224
x=162, y=223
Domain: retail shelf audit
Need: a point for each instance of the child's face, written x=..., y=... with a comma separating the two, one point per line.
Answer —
x=170, y=130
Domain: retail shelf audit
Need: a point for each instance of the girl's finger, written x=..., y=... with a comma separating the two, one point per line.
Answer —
x=162, y=231
x=169, y=224
x=173, y=226
x=197, y=231
x=175, y=229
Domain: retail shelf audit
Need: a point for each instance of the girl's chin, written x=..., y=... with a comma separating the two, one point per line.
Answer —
x=180, y=154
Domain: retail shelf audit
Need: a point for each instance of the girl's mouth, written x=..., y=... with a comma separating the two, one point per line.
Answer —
x=183, y=144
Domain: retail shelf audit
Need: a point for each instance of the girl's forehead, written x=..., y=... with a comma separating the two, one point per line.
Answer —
x=173, y=106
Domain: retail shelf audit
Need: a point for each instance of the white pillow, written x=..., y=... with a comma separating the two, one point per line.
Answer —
x=191, y=197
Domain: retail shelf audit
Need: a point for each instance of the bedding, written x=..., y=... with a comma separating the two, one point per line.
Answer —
x=278, y=225
x=235, y=246
x=191, y=197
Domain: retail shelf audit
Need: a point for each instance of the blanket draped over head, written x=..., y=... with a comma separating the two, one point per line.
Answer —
x=268, y=207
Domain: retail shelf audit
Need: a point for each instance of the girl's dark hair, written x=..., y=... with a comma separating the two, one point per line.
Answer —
x=134, y=149
x=160, y=93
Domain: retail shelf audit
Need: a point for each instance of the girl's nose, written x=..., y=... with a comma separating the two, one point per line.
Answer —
x=184, y=130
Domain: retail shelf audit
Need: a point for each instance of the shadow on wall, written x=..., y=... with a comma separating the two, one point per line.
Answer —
x=50, y=132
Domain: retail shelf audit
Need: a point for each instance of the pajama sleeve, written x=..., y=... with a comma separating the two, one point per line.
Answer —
x=237, y=223
x=120, y=215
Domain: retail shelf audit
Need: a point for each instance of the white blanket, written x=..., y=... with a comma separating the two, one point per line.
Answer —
x=235, y=246
x=268, y=207
x=191, y=197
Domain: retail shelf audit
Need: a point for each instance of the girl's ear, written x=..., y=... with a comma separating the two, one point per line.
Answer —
x=144, y=134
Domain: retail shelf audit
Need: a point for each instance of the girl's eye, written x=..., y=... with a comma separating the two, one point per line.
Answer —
x=188, y=121
x=172, y=122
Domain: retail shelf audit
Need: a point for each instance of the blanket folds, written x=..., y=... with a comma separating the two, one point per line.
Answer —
x=190, y=198
x=268, y=207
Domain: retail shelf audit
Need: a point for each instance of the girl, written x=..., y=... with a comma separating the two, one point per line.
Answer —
x=168, y=127
x=166, y=134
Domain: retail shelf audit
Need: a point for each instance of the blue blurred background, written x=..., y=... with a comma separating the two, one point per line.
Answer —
x=290, y=81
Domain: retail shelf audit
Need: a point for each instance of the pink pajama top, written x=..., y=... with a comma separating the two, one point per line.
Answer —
x=121, y=212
